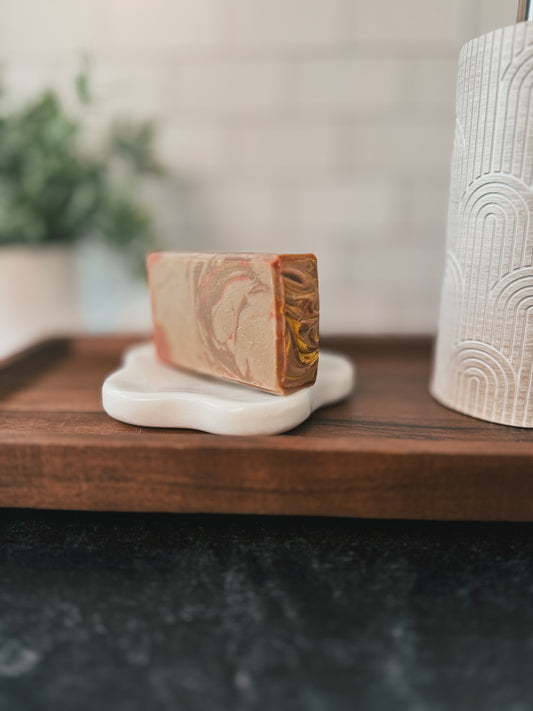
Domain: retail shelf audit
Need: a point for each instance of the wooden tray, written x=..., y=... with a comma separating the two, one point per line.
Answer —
x=389, y=451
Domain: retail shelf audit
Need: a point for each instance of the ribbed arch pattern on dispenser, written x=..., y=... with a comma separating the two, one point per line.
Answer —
x=484, y=354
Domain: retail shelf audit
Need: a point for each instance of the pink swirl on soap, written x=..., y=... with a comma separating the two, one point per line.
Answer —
x=224, y=293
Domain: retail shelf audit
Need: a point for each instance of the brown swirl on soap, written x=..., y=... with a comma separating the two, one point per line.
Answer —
x=225, y=294
x=300, y=284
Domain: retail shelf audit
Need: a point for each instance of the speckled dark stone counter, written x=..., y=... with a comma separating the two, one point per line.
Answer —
x=142, y=612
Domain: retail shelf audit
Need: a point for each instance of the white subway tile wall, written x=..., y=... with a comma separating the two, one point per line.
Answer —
x=287, y=125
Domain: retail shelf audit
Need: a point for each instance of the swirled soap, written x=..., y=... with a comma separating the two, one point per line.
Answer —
x=248, y=318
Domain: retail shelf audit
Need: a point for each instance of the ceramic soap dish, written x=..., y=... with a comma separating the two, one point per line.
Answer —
x=147, y=393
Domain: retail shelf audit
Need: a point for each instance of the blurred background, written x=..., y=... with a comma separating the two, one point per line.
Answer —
x=284, y=125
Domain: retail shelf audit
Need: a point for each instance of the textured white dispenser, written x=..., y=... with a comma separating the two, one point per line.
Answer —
x=483, y=363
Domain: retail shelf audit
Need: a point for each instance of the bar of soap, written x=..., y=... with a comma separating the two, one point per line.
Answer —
x=248, y=318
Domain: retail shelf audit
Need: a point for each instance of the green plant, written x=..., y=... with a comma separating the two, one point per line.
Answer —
x=53, y=189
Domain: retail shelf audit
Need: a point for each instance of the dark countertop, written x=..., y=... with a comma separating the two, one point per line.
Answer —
x=138, y=612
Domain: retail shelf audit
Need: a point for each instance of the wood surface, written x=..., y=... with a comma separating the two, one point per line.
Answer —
x=389, y=451
x=523, y=12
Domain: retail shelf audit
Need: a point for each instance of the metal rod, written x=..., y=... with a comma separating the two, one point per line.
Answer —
x=525, y=9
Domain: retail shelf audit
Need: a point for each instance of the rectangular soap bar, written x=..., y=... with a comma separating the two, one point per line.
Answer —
x=249, y=318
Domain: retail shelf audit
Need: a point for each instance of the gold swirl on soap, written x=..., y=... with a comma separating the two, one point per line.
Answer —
x=300, y=287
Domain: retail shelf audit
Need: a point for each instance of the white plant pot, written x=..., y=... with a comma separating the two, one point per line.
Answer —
x=38, y=296
x=112, y=297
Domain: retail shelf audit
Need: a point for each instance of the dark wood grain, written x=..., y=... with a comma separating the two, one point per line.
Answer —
x=388, y=451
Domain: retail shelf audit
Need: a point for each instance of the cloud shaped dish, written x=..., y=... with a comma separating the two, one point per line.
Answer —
x=147, y=393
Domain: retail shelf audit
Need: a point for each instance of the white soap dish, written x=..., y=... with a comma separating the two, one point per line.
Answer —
x=148, y=393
